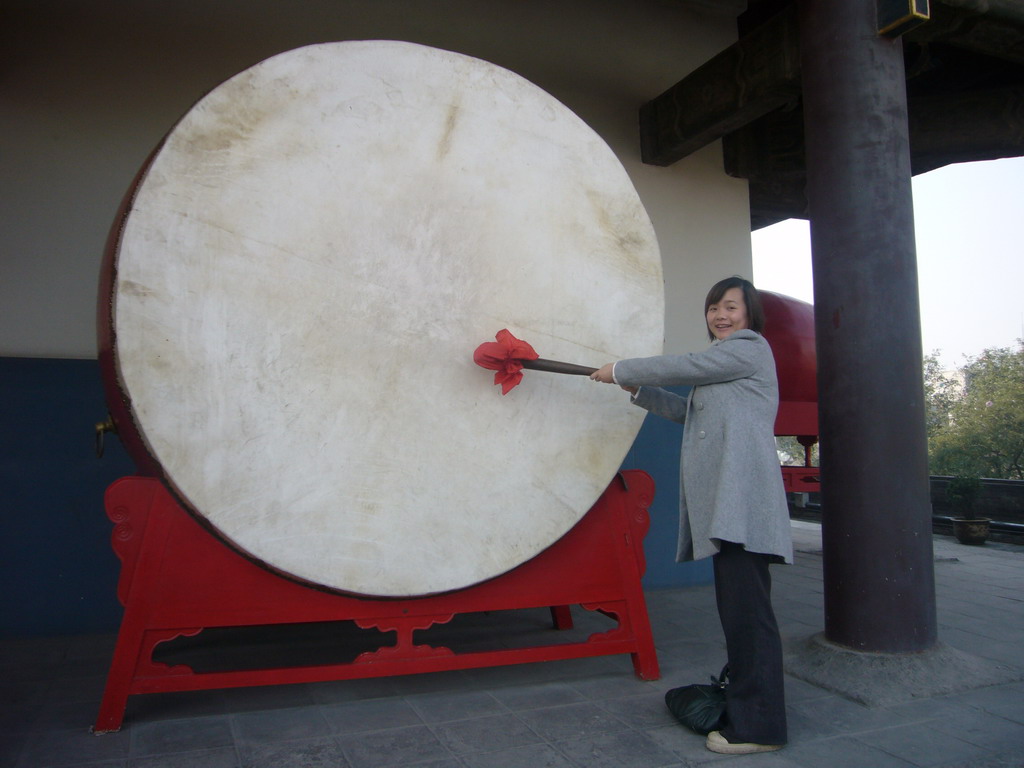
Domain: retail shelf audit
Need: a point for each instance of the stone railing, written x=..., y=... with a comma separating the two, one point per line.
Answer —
x=1001, y=500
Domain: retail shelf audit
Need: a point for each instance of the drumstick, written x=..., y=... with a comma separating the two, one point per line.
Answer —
x=507, y=356
x=556, y=366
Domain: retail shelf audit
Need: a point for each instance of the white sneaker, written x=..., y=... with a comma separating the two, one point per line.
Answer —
x=718, y=743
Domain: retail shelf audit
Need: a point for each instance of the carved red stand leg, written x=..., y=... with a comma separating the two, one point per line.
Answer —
x=178, y=579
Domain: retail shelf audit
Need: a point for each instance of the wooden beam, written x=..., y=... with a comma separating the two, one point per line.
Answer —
x=966, y=127
x=944, y=128
x=776, y=200
x=757, y=74
x=768, y=148
x=996, y=31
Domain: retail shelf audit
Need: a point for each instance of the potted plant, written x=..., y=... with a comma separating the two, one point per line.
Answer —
x=968, y=526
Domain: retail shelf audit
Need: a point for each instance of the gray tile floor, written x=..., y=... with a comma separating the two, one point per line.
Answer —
x=588, y=712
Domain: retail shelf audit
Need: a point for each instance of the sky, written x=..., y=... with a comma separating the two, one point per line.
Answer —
x=969, y=228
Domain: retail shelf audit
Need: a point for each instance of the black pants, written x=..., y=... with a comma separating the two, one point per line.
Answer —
x=756, y=704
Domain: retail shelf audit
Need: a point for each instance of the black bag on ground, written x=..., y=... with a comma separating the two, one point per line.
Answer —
x=701, y=708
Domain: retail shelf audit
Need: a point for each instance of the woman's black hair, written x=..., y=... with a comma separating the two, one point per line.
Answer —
x=755, y=311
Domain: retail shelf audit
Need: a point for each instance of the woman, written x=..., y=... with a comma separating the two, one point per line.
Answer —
x=733, y=506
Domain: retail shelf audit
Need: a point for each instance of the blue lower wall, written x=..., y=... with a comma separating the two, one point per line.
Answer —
x=57, y=570
x=656, y=451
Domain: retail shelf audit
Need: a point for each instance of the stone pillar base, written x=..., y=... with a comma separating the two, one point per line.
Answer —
x=884, y=679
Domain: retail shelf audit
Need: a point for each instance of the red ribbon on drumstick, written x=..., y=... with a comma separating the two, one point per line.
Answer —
x=507, y=356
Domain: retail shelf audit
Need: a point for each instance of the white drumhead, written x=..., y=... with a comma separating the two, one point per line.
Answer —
x=303, y=275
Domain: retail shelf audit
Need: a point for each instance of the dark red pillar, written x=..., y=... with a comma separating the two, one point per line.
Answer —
x=878, y=567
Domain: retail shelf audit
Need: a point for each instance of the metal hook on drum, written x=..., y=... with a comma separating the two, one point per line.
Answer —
x=103, y=427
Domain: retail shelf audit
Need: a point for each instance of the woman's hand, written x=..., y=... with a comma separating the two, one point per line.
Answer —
x=604, y=374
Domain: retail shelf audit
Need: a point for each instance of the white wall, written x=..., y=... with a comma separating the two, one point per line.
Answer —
x=88, y=88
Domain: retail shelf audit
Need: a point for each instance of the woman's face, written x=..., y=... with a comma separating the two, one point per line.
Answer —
x=728, y=315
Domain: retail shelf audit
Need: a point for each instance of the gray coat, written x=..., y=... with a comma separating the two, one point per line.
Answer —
x=730, y=481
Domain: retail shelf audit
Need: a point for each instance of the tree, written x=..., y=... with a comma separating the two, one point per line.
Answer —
x=978, y=431
x=941, y=391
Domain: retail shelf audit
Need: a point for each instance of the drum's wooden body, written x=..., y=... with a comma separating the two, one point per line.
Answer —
x=294, y=291
x=789, y=328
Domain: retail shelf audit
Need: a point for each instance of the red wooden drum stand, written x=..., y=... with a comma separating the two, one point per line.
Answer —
x=178, y=579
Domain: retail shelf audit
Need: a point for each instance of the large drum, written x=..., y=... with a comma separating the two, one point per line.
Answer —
x=294, y=291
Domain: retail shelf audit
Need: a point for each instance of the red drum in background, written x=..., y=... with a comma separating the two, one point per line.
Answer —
x=789, y=329
x=295, y=287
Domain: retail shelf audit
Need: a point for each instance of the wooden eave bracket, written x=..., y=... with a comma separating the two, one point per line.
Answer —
x=757, y=74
